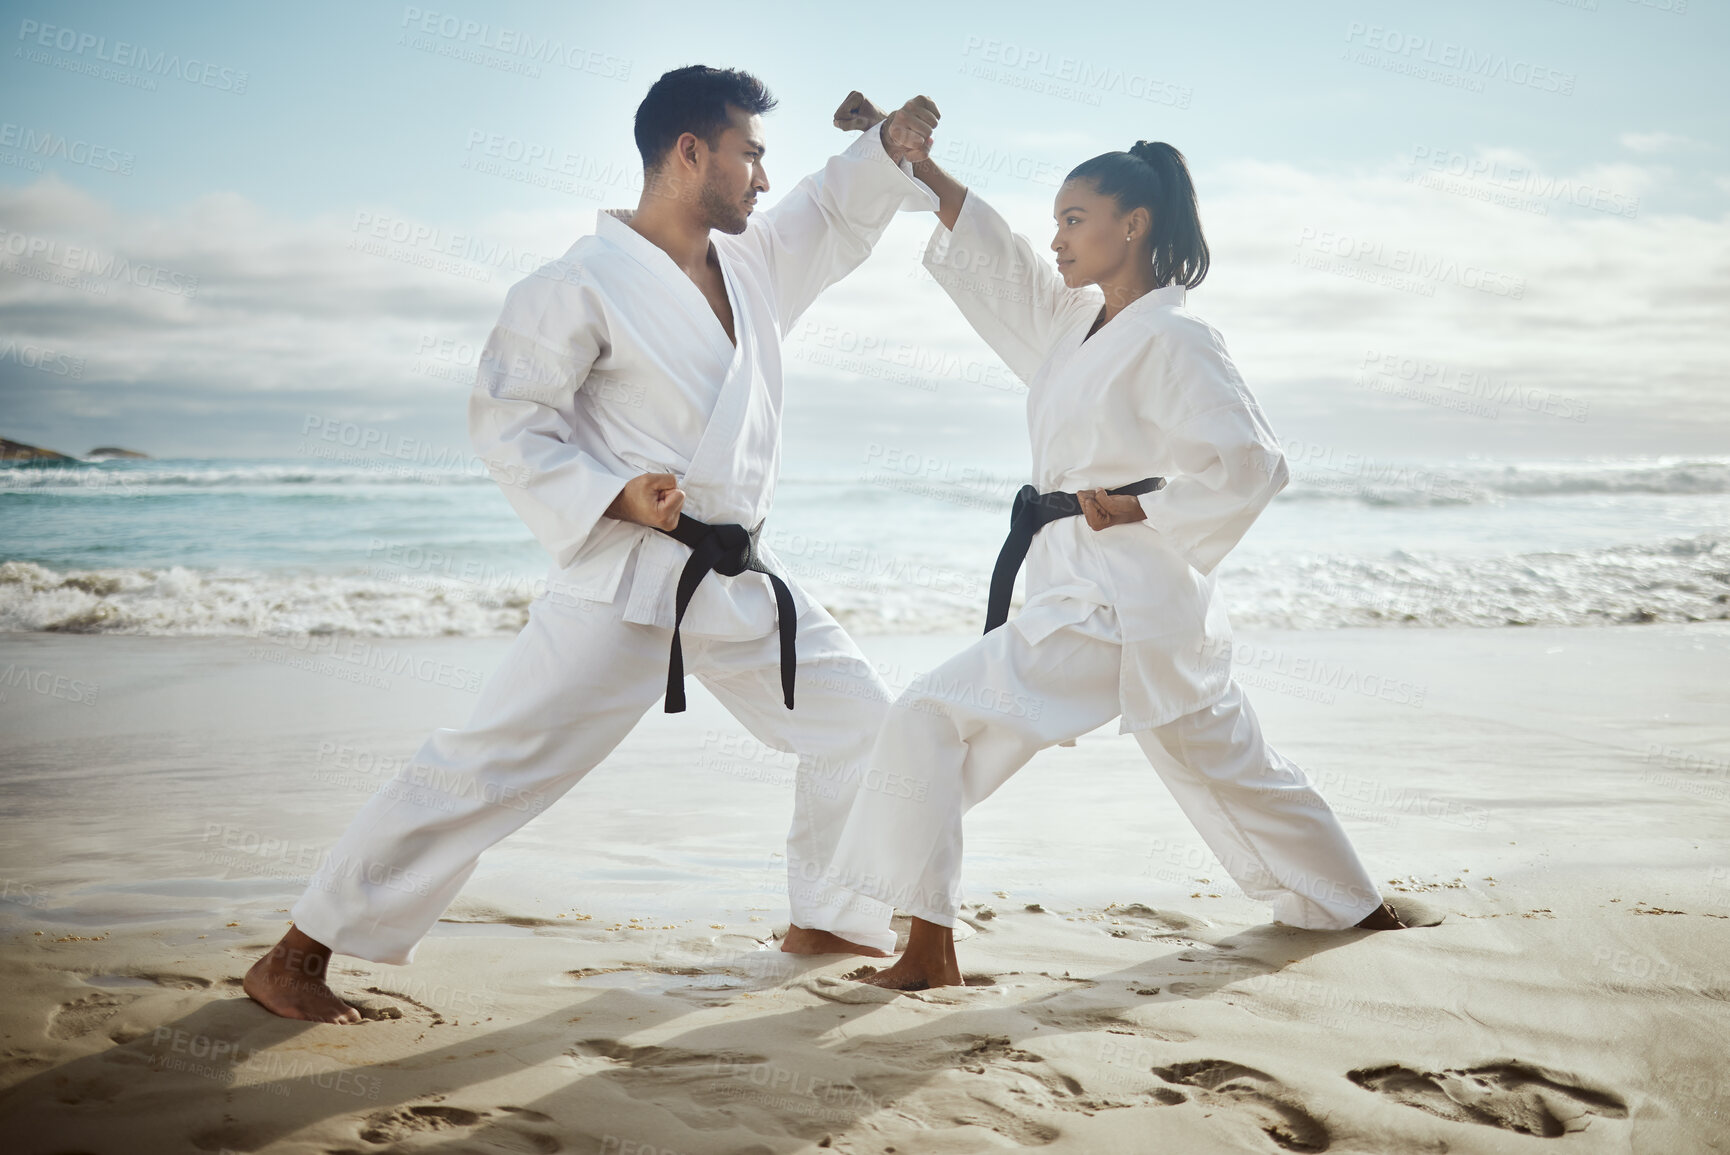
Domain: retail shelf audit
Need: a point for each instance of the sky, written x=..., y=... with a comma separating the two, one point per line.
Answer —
x=1492, y=229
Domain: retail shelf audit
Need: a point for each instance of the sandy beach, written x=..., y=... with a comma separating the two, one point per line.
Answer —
x=606, y=983
x=333, y=349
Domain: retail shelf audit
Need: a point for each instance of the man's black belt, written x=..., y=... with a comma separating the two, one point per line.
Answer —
x=1031, y=512
x=727, y=549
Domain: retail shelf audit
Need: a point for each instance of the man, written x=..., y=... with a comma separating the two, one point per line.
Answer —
x=628, y=401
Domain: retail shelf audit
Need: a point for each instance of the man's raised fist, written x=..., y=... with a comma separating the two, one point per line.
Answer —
x=906, y=132
x=857, y=112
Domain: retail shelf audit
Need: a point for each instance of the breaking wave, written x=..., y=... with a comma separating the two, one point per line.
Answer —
x=1680, y=580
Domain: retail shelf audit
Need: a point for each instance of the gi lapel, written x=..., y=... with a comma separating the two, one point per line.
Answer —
x=709, y=479
x=611, y=225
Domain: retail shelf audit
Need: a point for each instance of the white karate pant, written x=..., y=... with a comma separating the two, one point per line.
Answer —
x=958, y=734
x=572, y=685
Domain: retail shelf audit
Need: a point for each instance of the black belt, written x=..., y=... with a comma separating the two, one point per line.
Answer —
x=727, y=549
x=1031, y=512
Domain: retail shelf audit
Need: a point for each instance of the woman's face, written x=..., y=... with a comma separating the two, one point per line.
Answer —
x=1091, y=244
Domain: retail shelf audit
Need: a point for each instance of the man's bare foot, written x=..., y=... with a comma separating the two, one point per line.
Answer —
x=289, y=981
x=804, y=940
x=1383, y=918
x=929, y=961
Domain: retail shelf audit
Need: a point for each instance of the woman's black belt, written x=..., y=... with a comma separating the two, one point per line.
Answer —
x=1031, y=512
x=727, y=549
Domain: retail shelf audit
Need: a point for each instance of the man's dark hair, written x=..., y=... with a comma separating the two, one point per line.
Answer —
x=694, y=100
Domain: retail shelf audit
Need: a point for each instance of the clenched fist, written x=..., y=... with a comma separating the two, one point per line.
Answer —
x=906, y=132
x=651, y=499
x=1103, y=510
x=857, y=112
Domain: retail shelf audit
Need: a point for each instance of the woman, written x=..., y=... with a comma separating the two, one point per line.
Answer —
x=1127, y=391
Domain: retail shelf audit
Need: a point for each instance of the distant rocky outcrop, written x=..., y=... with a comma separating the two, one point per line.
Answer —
x=113, y=451
x=18, y=451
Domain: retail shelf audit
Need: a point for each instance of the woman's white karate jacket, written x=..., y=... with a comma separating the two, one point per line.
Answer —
x=1152, y=394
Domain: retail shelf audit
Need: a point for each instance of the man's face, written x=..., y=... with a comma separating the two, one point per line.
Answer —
x=732, y=173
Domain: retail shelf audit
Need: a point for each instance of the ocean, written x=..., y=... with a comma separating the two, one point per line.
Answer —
x=392, y=548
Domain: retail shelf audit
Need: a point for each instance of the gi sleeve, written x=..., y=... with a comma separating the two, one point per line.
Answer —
x=830, y=222
x=523, y=403
x=1229, y=465
x=1016, y=301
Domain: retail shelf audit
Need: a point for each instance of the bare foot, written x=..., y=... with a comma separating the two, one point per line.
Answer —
x=289, y=981
x=1383, y=917
x=929, y=961
x=803, y=940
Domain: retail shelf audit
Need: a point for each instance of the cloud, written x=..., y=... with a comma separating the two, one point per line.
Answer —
x=1556, y=281
x=1559, y=281
x=223, y=302
x=1648, y=143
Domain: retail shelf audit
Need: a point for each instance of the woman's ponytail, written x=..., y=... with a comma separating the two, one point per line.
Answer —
x=1153, y=175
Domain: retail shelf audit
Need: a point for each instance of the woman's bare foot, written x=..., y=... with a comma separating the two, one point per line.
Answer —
x=929, y=961
x=804, y=940
x=289, y=981
x=1383, y=917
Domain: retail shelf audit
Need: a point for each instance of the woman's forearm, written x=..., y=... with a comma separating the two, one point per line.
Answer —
x=950, y=192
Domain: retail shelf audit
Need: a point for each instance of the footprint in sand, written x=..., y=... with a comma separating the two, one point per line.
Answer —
x=983, y=1081
x=1255, y=1093
x=171, y=981
x=1512, y=1095
x=1167, y=920
x=399, y=1124
x=81, y=1016
x=706, y=981
x=937, y=1083
x=15, y=1064
x=1095, y=1008
x=719, y=1091
x=851, y=991
x=627, y=1055
x=377, y=1009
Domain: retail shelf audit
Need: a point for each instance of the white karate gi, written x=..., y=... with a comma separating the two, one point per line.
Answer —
x=1121, y=622
x=606, y=364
